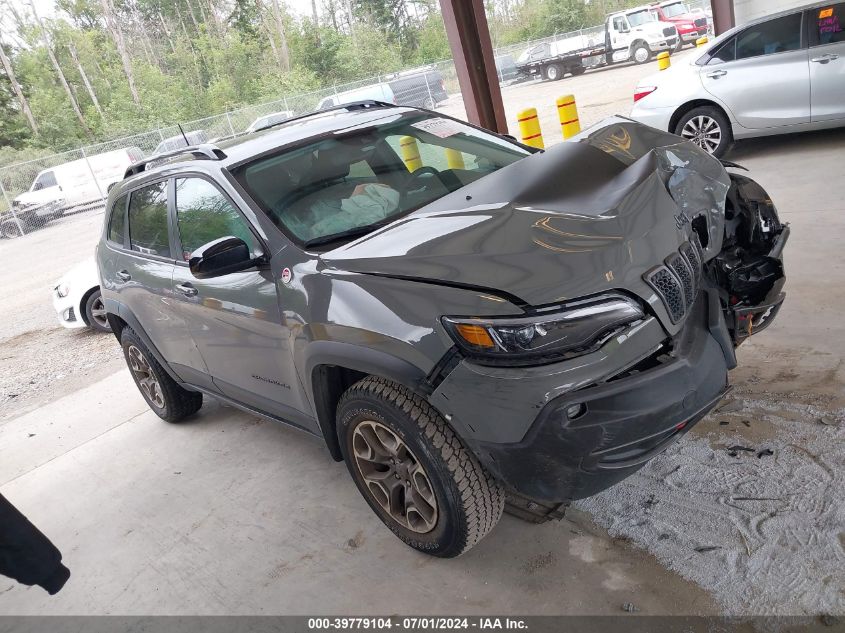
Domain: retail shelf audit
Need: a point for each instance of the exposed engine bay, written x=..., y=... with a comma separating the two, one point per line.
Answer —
x=749, y=269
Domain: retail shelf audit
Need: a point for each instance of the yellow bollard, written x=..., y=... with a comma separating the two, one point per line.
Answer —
x=701, y=41
x=454, y=159
x=663, y=61
x=410, y=153
x=529, y=128
x=567, y=112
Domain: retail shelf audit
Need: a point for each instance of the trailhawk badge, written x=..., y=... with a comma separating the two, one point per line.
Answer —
x=287, y=275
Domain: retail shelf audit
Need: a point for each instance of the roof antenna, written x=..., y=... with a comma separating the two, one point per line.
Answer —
x=179, y=125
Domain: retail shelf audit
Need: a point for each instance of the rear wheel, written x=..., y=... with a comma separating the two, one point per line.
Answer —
x=414, y=471
x=577, y=70
x=167, y=399
x=553, y=72
x=707, y=127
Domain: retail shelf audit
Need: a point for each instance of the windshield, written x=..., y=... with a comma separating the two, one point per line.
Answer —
x=341, y=187
x=675, y=9
x=638, y=18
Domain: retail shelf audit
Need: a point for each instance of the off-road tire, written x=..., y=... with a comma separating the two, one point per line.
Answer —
x=469, y=501
x=179, y=403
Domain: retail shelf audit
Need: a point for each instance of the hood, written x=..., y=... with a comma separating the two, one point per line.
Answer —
x=43, y=196
x=654, y=28
x=580, y=218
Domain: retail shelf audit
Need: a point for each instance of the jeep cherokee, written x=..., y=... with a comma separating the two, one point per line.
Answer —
x=467, y=322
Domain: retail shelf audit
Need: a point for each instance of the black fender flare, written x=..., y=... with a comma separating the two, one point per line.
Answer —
x=324, y=394
x=115, y=308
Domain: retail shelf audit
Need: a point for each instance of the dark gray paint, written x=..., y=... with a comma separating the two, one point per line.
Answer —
x=579, y=219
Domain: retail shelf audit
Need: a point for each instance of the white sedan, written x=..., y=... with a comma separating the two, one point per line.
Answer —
x=77, y=299
x=780, y=74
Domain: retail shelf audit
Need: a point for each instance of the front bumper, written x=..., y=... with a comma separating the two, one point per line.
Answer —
x=692, y=36
x=67, y=310
x=665, y=45
x=621, y=424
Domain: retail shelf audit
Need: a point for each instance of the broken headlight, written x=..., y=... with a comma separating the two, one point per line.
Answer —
x=576, y=328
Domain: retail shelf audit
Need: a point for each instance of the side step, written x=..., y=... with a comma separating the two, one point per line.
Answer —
x=533, y=511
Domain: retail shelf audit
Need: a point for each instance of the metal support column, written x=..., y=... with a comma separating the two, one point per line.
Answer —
x=723, y=15
x=472, y=50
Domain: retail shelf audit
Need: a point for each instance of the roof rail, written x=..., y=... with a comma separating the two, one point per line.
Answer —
x=205, y=151
x=354, y=105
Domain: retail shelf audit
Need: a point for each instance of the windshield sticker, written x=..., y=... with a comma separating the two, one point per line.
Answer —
x=441, y=128
x=825, y=13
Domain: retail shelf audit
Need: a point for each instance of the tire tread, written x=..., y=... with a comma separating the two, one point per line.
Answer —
x=482, y=499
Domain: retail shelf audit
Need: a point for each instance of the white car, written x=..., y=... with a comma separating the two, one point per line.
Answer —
x=776, y=75
x=77, y=299
x=269, y=120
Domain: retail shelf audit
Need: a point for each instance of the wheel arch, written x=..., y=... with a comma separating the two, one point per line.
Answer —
x=332, y=367
x=692, y=105
x=121, y=317
x=83, y=302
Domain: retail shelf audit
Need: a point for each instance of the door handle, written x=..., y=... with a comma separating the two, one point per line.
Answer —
x=187, y=289
x=824, y=59
x=717, y=73
x=123, y=275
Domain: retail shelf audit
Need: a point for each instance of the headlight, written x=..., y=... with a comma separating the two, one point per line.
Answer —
x=62, y=290
x=576, y=328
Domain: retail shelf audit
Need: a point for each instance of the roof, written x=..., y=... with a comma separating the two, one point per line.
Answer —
x=310, y=127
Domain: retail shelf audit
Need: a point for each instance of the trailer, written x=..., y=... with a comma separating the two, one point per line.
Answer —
x=632, y=35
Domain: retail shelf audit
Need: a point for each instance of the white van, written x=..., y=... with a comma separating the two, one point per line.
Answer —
x=376, y=92
x=72, y=184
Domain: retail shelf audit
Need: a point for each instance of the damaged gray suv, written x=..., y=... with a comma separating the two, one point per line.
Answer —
x=467, y=322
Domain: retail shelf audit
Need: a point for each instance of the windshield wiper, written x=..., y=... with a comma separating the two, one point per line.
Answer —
x=347, y=234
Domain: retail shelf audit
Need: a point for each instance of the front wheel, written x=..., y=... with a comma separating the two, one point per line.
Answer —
x=708, y=128
x=641, y=53
x=414, y=471
x=95, y=312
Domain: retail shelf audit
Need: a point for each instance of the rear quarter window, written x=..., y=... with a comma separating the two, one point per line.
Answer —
x=117, y=222
x=827, y=25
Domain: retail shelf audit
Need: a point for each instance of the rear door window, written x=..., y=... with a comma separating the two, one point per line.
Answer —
x=148, y=232
x=775, y=36
x=827, y=25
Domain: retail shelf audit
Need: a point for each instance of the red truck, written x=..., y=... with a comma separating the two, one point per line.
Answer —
x=690, y=26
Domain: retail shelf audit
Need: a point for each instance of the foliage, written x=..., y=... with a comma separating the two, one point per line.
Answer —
x=190, y=59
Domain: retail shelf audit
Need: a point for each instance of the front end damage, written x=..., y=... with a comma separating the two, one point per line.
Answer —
x=625, y=211
x=598, y=419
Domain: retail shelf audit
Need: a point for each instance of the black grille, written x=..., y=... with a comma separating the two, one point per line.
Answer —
x=683, y=271
x=667, y=286
x=678, y=281
x=701, y=22
x=669, y=31
x=693, y=258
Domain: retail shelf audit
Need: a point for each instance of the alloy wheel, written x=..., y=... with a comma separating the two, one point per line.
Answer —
x=145, y=377
x=394, y=476
x=704, y=131
x=98, y=313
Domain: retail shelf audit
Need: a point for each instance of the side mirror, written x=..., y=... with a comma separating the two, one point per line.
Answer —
x=221, y=257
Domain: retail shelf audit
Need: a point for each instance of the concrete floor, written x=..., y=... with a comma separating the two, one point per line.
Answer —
x=230, y=514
